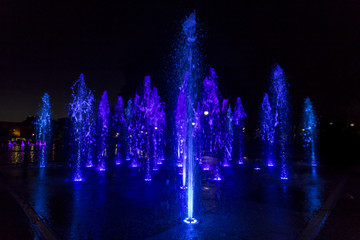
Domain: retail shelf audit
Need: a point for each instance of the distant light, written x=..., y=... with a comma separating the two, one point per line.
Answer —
x=33, y=134
x=243, y=129
x=257, y=168
x=303, y=129
x=193, y=124
x=155, y=128
x=331, y=123
x=352, y=124
x=206, y=113
x=218, y=178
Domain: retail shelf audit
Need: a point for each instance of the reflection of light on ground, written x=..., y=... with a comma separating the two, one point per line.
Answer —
x=312, y=192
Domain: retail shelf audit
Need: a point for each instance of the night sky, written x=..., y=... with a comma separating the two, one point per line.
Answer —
x=45, y=45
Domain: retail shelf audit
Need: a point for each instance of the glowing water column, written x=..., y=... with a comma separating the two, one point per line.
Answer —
x=267, y=130
x=279, y=91
x=103, y=121
x=181, y=130
x=146, y=108
x=309, y=131
x=80, y=110
x=118, y=126
x=228, y=138
x=239, y=117
x=43, y=128
x=189, y=28
x=211, y=116
x=157, y=124
x=128, y=111
x=135, y=132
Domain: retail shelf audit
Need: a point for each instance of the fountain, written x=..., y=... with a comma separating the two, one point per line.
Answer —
x=157, y=125
x=228, y=138
x=281, y=112
x=103, y=126
x=189, y=29
x=128, y=110
x=267, y=130
x=239, y=118
x=181, y=130
x=309, y=131
x=43, y=128
x=118, y=129
x=80, y=110
x=211, y=117
x=134, y=131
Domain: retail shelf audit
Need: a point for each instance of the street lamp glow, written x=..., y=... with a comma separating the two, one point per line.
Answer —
x=206, y=113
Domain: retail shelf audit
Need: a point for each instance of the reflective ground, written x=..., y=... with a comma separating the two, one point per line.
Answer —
x=119, y=204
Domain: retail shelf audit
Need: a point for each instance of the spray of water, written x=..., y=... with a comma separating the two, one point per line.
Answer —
x=43, y=128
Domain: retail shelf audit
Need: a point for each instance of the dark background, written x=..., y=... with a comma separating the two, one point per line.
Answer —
x=45, y=45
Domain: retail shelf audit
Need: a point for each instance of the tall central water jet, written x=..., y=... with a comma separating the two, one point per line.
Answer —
x=189, y=29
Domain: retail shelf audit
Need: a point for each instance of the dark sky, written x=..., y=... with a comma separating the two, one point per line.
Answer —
x=45, y=45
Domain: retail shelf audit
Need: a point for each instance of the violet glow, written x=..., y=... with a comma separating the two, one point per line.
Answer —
x=103, y=126
x=118, y=128
x=80, y=109
x=239, y=117
x=211, y=115
x=128, y=111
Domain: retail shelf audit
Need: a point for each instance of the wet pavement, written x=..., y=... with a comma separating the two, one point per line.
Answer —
x=14, y=223
x=119, y=204
x=344, y=219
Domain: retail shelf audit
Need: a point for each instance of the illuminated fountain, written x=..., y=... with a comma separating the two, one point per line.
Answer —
x=309, y=131
x=181, y=130
x=157, y=128
x=103, y=126
x=189, y=30
x=238, y=119
x=145, y=120
x=80, y=111
x=228, y=138
x=118, y=128
x=134, y=131
x=267, y=130
x=211, y=120
x=128, y=110
x=221, y=137
x=146, y=112
x=281, y=110
x=43, y=128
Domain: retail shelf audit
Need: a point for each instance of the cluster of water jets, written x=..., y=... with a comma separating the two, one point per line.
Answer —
x=209, y=132
x=135, y=132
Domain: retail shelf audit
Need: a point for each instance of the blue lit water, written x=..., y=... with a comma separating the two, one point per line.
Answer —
x=119, y=204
